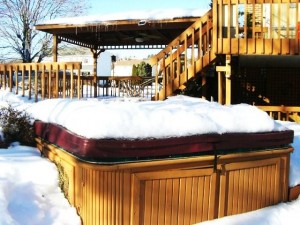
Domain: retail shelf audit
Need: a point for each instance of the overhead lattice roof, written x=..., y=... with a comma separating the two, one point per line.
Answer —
x=120, y=33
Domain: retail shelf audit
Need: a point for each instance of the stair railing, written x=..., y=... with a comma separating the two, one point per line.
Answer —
x=184, y=57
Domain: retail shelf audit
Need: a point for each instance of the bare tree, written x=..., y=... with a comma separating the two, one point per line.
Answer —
x=19, y=41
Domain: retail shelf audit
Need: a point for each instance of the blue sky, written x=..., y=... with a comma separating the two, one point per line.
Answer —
x=111, y=6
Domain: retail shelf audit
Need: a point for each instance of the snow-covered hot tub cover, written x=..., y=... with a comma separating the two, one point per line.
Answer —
x=124, y=128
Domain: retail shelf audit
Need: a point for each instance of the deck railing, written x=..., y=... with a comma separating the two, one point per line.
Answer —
x=284, y=113
x=65, y=80
x=44, y=80
x=257, y=27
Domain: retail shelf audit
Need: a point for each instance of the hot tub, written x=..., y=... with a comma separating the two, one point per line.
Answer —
x=182, y=180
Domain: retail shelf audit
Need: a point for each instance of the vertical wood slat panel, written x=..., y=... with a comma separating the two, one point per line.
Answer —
x=199, y=193
x=250, y=188
x=156, y=195
x=246, y=184
x=206, y=198
x=256, y=188
x=181, y=200
x=169, y=202
x=103, y=198
x=241, y=189
x=148, y=202
x=187, y=201
x=259, y=187
x=162, y=201
x=194, y=200
x=176, y=200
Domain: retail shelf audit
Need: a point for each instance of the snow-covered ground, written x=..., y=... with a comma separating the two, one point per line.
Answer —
x=29, y=192
x=281, y=214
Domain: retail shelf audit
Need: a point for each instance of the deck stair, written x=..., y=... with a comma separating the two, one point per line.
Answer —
x=226, y=31
x=184, y=58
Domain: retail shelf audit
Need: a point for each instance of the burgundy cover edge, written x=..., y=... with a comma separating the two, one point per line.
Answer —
x=115, y=148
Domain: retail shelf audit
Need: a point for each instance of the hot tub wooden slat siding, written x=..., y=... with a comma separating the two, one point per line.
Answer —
x=174, y=196
x=256, y=188
x=180, y=191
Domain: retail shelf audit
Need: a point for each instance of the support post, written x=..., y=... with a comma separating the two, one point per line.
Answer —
x=220, y=88
x=227, y=70
x=228, y=80
x=96, y=54
x=54, y=47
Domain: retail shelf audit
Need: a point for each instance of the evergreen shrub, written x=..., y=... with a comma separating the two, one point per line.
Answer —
x=16, y=126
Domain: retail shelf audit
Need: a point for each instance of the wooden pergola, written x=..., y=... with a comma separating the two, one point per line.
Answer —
x=99, y=36
x=117, y=34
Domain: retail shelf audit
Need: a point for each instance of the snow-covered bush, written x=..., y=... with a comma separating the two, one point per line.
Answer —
x=16, y=126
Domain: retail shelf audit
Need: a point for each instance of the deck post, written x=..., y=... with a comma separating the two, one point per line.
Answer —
x=228, y=80
x=220, y=88
x=227, y=70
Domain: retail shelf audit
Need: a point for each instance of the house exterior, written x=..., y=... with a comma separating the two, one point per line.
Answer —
x=104, y=64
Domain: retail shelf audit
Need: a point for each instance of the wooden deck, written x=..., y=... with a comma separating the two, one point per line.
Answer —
x=231, y=28
x=260, y=27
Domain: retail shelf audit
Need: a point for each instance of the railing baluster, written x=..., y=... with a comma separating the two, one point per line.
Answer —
x=23, y=80
x=10, y=71
x=17, y=78
x=78, y=82
x=71, y=83
x=36, y=74
x=29, y=80
x=43, y=84
x=64, y=81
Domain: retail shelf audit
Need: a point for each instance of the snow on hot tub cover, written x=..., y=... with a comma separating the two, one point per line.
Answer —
x=173, y=124
x=133, y=119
